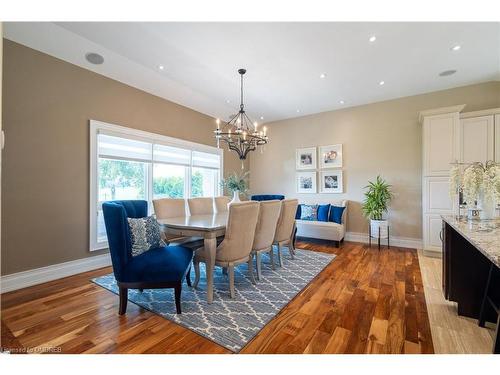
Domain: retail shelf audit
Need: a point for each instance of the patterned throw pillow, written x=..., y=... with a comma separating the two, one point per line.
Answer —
x=144, y=234
x=309, y=212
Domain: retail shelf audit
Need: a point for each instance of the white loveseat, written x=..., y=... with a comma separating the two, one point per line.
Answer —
x=324, y=230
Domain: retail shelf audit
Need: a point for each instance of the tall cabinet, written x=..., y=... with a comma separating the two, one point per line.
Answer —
x=448, y=135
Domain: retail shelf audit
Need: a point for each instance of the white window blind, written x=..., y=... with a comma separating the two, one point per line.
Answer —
x=206, y=160
x=123, y=148
x=171, y=155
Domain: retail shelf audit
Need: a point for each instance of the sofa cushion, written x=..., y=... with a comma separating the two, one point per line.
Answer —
x=309, y=212
x=161, y=264
x=323, y=211
x=144, y=234
x=299, y=212
x=336, y=214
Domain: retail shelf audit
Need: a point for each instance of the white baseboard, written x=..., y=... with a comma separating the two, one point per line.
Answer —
x=57, y=271
x=412, y=243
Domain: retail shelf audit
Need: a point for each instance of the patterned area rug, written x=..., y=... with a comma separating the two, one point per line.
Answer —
x=232, y=323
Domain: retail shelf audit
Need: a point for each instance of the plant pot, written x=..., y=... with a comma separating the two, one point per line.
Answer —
x=236, y=198
x=375, y=225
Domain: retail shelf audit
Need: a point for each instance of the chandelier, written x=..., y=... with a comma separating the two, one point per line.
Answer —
x=240, y=133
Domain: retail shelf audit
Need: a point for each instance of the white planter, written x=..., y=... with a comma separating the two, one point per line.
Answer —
x=236, y=198
x=383, y=225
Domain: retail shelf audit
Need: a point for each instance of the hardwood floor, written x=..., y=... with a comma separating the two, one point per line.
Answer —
x=366, y=301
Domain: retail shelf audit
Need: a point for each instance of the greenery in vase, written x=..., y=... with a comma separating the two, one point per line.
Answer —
x=377, y=198
x=236, y=182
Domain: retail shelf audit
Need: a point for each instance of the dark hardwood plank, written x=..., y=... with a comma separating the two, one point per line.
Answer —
x=366, y=301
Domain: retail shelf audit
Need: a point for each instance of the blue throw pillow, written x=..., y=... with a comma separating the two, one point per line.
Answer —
x=336, y=214
x=309, y=212
x=298, y=213
x=323, y=210
x=144, y=234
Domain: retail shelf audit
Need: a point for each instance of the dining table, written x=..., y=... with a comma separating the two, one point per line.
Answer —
x=209, y=227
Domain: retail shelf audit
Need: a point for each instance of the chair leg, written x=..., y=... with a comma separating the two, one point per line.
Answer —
x=250, y=269
x=280, y=255
x=178, y=290
x=291, y=249
x=259, y=266
x=231, y=280
x=196, y=274
x=271, y=257
x=224, y=271
x=188, y=277
x=123, y=301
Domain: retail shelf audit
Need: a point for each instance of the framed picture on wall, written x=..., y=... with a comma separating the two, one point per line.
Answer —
x=306, y=182
x=331, y=182
x=306, y=158
x=330, y=156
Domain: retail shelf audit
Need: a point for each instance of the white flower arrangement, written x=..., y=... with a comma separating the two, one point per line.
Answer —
x=477, y=180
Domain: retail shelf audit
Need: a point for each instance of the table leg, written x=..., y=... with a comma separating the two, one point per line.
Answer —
x=210, y=248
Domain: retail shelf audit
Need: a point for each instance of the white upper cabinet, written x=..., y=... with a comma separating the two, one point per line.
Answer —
x=476, y=139
x=440, y=139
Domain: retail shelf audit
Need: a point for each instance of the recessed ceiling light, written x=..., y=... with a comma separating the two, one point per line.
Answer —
x=228, y=101
x=341, y=102
x=381, y=83
x=298, y=110
x=161, y=67
x=456, y=48
x=322, y=75
x=447, y=73
x=262, y=117
x=94, y=58
x=372, y=38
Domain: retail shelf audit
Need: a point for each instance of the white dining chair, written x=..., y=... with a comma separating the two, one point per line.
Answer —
x=236, y=247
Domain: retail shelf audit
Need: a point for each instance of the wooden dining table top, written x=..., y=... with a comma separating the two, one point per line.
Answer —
x=210, y=222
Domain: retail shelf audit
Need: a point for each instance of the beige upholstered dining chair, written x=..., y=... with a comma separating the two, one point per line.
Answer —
x=201, y=206
x=166, y=208
x=269, y=214
x=286, y=227
x=236, y=247
x=221, y=204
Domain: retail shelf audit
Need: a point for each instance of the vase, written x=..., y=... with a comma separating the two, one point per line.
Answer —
x=236, y=197
x=486, y=206
x=375, y=225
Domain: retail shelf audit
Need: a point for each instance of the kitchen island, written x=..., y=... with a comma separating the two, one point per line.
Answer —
x=471, y=268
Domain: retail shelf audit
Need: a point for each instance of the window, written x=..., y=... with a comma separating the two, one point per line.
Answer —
x=132, y=164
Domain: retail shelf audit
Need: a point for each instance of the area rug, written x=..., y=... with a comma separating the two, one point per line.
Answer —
x=232, y=323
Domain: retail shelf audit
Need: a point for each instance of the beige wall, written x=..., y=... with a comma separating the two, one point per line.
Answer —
x=45, y=177
x=381, y=138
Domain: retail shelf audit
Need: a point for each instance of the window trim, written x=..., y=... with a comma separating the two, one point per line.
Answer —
x=99, y=127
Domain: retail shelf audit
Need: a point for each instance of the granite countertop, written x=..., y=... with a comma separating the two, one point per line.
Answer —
x=483, y=234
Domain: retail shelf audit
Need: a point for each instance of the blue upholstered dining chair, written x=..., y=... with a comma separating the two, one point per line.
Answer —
x=267, y=197
x=162, y=267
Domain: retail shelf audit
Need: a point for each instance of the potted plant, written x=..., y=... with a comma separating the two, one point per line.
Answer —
x=377, y=198
x=236, y=183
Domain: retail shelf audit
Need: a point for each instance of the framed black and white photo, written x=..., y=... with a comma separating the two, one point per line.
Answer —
x=330, y=156
x=306, y=182
x=331, y=182
x=306, y=158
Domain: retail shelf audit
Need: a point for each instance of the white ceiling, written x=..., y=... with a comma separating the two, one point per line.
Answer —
x=284, y=60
